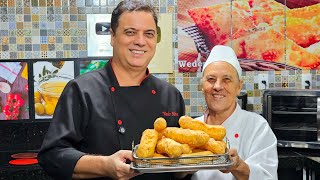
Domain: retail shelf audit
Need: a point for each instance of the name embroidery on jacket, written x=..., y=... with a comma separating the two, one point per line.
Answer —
x=170, y=113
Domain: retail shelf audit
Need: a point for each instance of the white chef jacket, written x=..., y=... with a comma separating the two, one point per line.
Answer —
x=255, y=142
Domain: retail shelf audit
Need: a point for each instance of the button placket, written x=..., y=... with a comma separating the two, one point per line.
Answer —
x=121, y=129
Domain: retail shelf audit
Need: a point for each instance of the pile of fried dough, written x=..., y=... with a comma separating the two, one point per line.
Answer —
x=193, y=138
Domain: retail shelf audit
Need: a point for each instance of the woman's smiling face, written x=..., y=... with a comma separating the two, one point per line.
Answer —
x=221, y=86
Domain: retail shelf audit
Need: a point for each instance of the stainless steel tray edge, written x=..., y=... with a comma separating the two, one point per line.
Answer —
x=179, y=167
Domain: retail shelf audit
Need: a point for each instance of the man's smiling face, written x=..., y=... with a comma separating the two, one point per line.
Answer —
x=135, y=39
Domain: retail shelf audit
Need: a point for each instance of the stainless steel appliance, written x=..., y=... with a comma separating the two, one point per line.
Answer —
x=242, y=100
x=294, y=116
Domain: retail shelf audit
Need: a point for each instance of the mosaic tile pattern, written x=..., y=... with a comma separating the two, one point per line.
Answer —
x=32, y=29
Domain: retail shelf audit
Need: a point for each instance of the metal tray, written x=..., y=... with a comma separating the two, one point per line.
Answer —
x=180, y=164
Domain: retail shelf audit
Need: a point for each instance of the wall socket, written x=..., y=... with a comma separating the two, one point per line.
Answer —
x=263, y=81
x=306, y=81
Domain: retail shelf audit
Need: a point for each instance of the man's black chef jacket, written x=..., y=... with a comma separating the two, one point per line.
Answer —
x=97, y=116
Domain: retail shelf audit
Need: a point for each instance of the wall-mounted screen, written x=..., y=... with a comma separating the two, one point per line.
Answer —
x=98, y=35
x=14, y=103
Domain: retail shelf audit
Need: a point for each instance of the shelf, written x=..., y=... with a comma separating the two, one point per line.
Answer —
x=295, y=126
x=293, y=112
x=296, y=129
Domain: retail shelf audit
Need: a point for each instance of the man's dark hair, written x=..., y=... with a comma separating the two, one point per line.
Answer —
x=130, y=6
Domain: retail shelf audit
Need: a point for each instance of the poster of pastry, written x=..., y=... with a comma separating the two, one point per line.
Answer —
x=265, y=34
x=50, y=78
x=14, y=103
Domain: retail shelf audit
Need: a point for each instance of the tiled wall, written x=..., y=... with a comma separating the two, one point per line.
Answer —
x=33, y=29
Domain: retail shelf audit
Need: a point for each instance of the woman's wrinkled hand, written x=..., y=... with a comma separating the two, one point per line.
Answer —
x=233, y=154
x=240, y=168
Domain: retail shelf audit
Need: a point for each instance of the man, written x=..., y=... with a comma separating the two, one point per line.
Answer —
x=101, y=113
x=253, y=144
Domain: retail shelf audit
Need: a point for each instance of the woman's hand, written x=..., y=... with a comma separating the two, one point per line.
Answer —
x=233, y=154
x=239, y=169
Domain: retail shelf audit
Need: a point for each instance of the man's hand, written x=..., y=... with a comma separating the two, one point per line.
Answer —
x=119, y=169
x=114, y=166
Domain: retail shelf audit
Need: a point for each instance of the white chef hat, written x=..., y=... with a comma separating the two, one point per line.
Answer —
x=225, y=54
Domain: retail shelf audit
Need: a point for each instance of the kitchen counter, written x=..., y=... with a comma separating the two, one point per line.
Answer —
x=299, y=159
x=312, y=167
x=30, y=172
x=293, y=158
x=18, y=172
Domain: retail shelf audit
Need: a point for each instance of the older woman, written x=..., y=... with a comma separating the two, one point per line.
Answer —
x=253, y=144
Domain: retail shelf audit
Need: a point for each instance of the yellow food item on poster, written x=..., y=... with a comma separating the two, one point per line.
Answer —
x=24, y=72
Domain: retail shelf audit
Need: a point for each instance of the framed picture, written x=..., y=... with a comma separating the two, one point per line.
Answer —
x=90, y=65
x=274, y=36
x=50, y=78
x=14, y=98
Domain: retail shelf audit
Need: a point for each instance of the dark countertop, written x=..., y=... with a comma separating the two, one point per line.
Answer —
x=288, y=158
x=312, y=163
x=18, y=172
x=299, y=157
